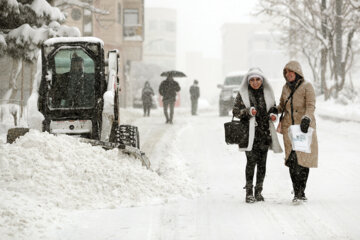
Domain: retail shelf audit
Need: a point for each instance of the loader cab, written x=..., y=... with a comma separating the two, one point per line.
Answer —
x=72, y=86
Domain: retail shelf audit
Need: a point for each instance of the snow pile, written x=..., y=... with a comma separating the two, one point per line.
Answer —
x=42, y=174
x=332, y=109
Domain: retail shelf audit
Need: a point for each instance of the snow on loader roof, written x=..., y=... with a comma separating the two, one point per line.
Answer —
x=52, y=41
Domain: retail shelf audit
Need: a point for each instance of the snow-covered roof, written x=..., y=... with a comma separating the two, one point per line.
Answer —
x=52, y=41
x=235, y=73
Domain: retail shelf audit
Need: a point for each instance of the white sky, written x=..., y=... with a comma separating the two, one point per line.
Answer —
x=199, y=21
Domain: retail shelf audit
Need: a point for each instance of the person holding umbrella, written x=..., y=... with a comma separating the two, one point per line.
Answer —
x=168, y=89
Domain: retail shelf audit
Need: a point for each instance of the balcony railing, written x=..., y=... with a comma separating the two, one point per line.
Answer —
x=133, y=33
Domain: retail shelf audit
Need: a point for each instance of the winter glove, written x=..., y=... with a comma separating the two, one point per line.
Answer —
x=273, y=117
x=252, y=111
x=304, y=125
x=273, y=110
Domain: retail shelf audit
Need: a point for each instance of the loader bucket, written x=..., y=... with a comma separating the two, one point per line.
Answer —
x=135, y=152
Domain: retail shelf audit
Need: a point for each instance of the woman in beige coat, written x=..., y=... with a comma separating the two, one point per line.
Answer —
x=297, y=103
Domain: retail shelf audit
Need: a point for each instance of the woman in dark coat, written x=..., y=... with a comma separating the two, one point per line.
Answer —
x=255, y=103
x=147, y=94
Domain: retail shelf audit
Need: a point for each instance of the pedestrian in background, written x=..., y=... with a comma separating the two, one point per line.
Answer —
x=194, y=96
x=168, y=89
x=255, y=102
x=146, y=96
x=297, y=102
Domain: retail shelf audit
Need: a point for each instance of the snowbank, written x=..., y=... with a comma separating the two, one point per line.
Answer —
x=333, y=110
x=41, y=175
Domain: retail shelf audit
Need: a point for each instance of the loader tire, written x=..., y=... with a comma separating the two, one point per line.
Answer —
x=14, y=133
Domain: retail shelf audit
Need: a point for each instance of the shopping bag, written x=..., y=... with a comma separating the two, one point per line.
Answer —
x=237, y=132
x=300, y=141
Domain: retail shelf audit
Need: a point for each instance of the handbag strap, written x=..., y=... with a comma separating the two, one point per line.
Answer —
x=235, y=120
x=290, y=96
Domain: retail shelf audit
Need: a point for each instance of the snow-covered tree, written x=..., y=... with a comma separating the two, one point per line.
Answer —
x=324, y=31
x=84, y=4
x=25, y=24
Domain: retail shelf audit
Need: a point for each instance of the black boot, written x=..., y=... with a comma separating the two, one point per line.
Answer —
x=302, y=194
x=258, y=196
x=249, y=195
x=296, y=192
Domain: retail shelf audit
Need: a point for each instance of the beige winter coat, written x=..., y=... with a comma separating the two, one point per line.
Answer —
x=303, y=105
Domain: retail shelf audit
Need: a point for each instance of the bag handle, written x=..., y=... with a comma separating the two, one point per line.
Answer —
x=290, y=96
x=235, y=120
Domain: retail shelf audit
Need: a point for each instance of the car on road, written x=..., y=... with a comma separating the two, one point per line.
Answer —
x=229, y=90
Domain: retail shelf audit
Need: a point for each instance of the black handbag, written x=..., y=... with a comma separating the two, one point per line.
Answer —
x=237, y=132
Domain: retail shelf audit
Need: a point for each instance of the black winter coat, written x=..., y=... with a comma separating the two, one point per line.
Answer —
x=168, y=89
x=194, y=92
x=262, y=138
x=146, y=96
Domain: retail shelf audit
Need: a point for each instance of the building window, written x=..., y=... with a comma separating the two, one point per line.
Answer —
x=76, y=14
x=132, y=28
x=169, y=47
x=170, y=26
x=131, y=17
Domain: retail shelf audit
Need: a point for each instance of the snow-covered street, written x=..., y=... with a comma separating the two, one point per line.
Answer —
x=196, y=145
x=86, y=152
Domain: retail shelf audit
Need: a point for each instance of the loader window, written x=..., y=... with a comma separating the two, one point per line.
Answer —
x=73, y=83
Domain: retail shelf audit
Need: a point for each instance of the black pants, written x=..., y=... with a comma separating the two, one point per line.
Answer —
x=194, y=105
x=256, y=157
x=299, y=175
x=146, y=110
x=170, y=104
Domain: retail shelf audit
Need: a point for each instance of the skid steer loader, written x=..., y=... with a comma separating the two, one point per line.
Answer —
x=79, y=95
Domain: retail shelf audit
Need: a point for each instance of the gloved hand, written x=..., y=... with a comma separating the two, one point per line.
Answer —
x=273, y=110
x=252, y=111
x=304, y=125
x=273, y=117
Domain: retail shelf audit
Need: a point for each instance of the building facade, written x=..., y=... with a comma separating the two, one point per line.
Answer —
x=159, y=49
x=246, y=45
x=160, y=37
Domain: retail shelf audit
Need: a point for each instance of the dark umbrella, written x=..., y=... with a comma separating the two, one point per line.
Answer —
x=173, y=73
